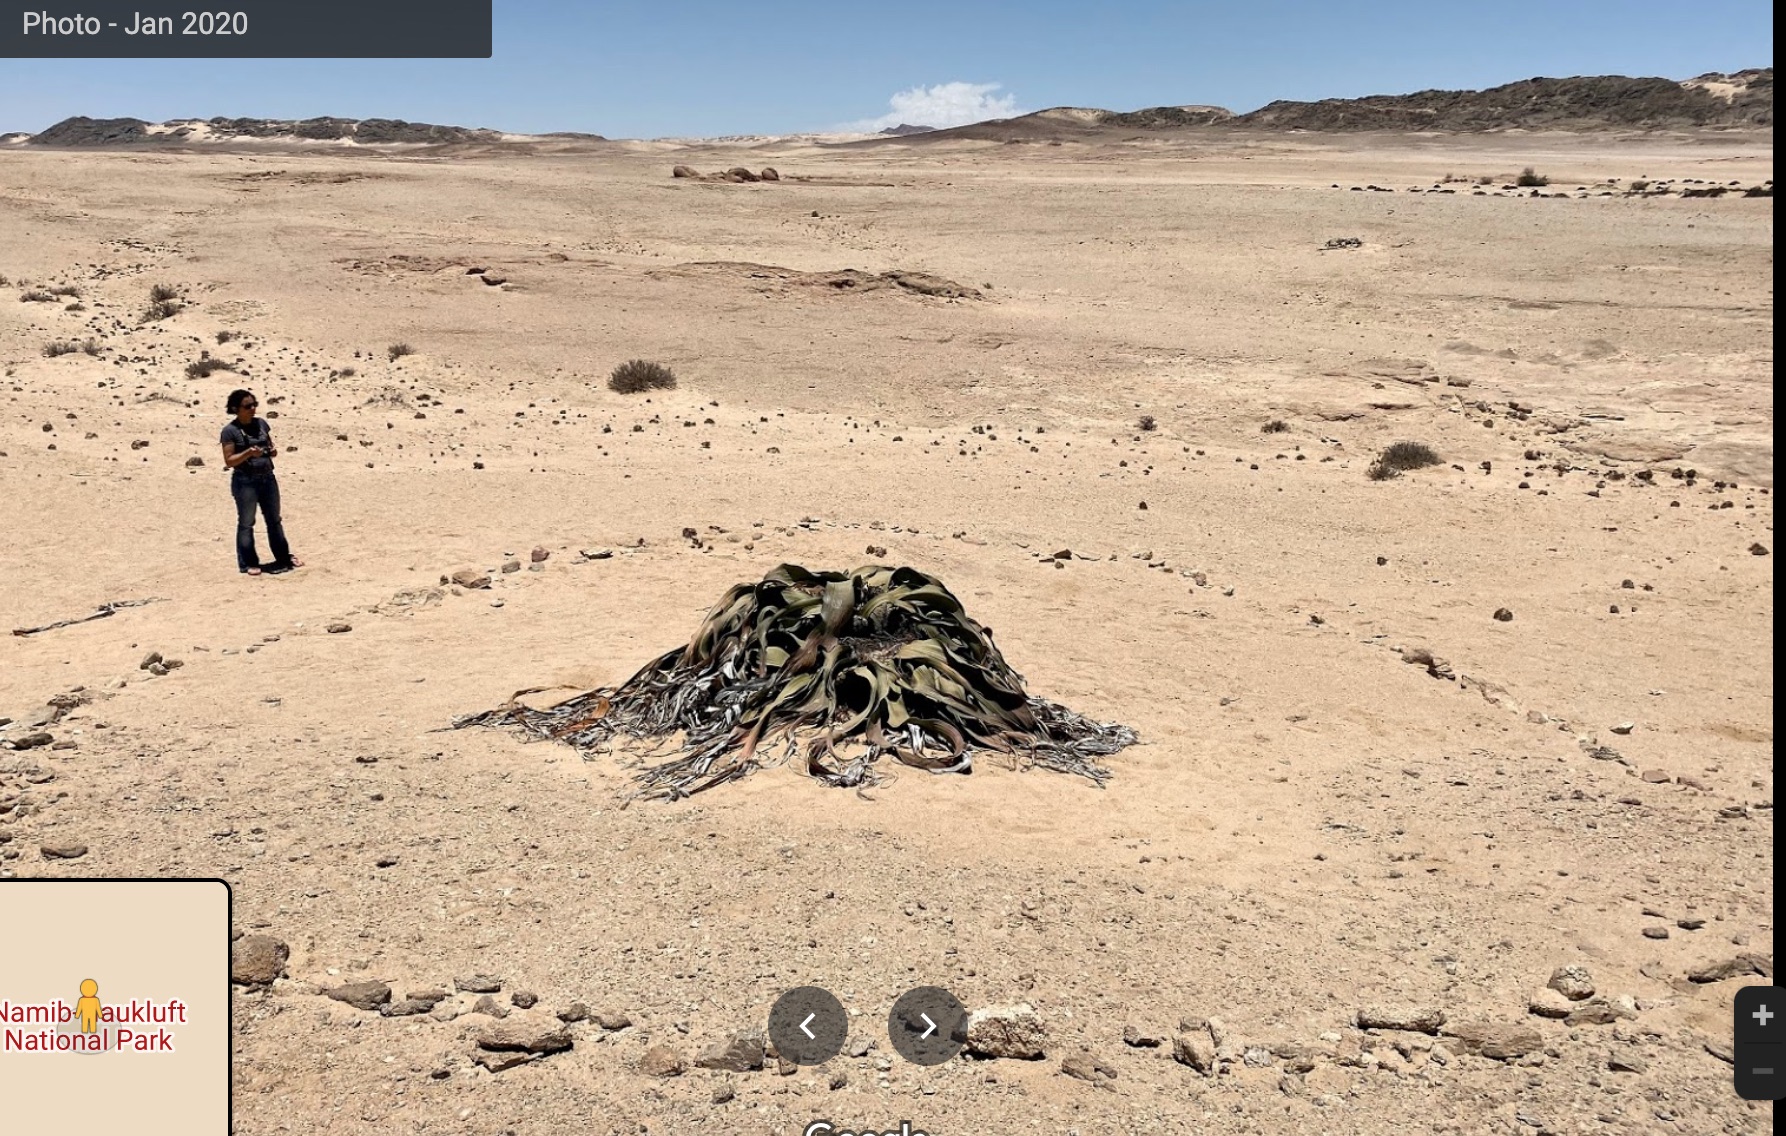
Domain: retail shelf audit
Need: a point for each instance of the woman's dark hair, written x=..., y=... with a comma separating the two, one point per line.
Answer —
x=236, y=398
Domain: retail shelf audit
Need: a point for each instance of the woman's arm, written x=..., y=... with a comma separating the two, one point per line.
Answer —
x=233, y=457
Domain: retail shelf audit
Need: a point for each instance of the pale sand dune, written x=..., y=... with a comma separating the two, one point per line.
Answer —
x=1311, y=824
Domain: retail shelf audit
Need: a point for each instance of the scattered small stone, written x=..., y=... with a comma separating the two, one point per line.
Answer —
x=1656, y=776
x=1006, y=1031
x=194, y=462
x=573, y=1013
x=1572, y=982
x=471, y=579
x=497, y=1061
x=723, y=1092
x=1740, y=966
x=339, y=627
x=662, y=1061
x=526, y=1032
x=368, y=995
x=1627, y=1063
x=1414, y=1019
x=1600, y=1012
x=63, y=850
x=597, y=553
x=1504, y=615
x=839, y=1080
x=524, y=999
x=511, y=566
x=1547, y=1003
x=611, y=1020
x=540, y=554
x=1502, y=1041
x=740, y=1053
x=1196, y=1049
x=1656, y=931
x=489, y=1006
x=1689, y=924
x=33, y=740
x=1758, y=549
x=149, y=660
x=1085, y=1067
x=1141, y=1038
x=257, y=960
x=477, y=984
x=406, y=1008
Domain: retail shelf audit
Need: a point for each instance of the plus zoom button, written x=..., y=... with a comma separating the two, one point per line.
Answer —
x=1758, y=1016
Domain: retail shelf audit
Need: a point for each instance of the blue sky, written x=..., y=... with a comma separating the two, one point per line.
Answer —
x=694, y=67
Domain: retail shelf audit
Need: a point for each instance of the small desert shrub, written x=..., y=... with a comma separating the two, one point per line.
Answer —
x=77, y=306
x=344, y=373
x=68, y=290
x=204, y=368
x=637, y=375
x=1485, y=180
x=1530, y=177
x=1639, y=186
x=1275, y=426
x=397, y=351
x=70, y=347
x=35, y=296
x=226, y=336
x=163, y=292
x=162, y=309
x=1402, y=456
x=1147, y=424
x=4, y=282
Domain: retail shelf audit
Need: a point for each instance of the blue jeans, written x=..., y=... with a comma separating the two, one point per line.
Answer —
x=263, y=493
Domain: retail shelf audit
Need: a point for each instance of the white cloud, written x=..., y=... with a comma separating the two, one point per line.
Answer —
x=945, y=104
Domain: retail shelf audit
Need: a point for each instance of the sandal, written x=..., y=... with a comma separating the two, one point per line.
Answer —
x=251, y=571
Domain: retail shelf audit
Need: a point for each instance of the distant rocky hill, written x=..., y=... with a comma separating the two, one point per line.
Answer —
x=1600, y=102
x=82, y=131
x=1605, y=102
x=904, y=129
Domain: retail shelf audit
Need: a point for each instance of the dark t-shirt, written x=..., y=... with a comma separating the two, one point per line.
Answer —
x=255, y=433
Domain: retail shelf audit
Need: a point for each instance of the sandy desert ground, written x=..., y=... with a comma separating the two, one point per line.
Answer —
x=1311, y=826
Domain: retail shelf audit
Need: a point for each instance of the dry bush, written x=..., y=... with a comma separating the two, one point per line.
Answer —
x=1529, y=177
x=162, y=309
x=397, y=351
x=68, y=290
x=637, y=375
x=162, y=292
x=1639, y=186
x=1275, y=426
x=1402, y=456
x=205, y=367
x=1147, y=424
x=225, y=336
x=35, y=296
x=62, y=347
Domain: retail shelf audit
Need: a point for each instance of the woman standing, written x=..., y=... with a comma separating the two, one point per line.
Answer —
x=248, y=451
